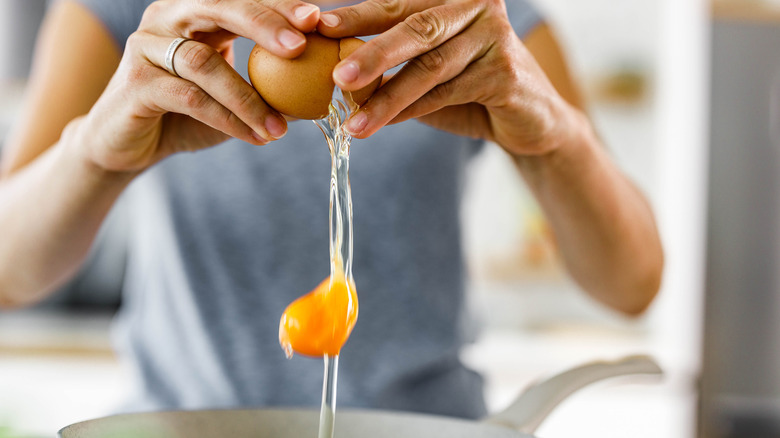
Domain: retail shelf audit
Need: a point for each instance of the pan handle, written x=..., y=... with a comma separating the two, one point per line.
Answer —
x=528, y=411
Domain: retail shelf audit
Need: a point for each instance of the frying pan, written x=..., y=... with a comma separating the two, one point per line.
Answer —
x=519, y=420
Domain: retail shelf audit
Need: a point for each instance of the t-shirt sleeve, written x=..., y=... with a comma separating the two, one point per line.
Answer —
x=121, y=17
x=523, y=16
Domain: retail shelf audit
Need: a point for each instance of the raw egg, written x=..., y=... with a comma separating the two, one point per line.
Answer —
x=320, y=322
x=302, y=87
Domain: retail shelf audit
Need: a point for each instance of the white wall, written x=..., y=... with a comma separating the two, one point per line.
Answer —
x=682, y=156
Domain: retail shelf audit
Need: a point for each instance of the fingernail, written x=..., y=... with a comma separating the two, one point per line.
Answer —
x=347, y=73
x=275, y=126
x=290, y=39
x=304, y=11
x=259, y=138
x=356, y=123
x=330, y=20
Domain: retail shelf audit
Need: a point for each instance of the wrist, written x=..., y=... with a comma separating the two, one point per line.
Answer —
x=78, y=144
x=572, y=145
x=538, y=127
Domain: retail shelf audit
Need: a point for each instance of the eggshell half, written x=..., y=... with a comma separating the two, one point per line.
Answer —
x=303, y=87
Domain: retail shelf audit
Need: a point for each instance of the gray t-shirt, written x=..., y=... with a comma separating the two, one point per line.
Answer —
x=223, y=239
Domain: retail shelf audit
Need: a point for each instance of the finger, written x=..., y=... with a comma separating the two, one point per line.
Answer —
x=415, y=80
x=459, y=91
x=417, y=34
x=369, y=17
x=204, y=66
x=230, y=55
x=176, y=95
x=279, y=28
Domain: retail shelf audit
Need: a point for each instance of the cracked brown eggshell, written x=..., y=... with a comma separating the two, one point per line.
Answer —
x=302, y=87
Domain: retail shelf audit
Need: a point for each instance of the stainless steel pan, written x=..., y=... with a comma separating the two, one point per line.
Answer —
x=519, y=420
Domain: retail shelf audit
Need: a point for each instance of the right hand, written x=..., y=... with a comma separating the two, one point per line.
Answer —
x=146, y=113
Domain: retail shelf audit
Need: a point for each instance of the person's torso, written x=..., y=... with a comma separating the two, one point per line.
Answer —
x=223, y=239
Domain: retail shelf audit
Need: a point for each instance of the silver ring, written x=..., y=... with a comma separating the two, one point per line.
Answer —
x=171, y=52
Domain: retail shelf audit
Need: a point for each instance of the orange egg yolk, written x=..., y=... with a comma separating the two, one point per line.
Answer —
x=320, y=322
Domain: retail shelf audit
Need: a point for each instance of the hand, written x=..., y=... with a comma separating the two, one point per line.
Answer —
x=468, y=73
x=147, y=113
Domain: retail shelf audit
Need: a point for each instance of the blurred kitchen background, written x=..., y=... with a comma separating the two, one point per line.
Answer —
x=673, y=86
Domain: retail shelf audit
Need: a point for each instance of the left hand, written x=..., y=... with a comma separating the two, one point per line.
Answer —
x=468, y=73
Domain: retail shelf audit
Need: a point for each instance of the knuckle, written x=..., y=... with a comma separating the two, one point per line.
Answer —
x=138, y=75
x=425, y=26
x=503, y=28
x=493, y=5
x=385, y=94
x=192, y=96
x=154, y=9
x=134, y=42
x=249, y=101
x=441, y=92
x=381, y=50
x=509, y=69
x=200, y=58
x=501, y=61
x=209, y=4
x=351, y=15
x=233, y=122
x=261, y=16
x=430, y=63
x=393, y=8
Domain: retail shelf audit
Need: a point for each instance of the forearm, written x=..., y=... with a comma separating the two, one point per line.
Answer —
x=50, y=212
x=603, y=225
